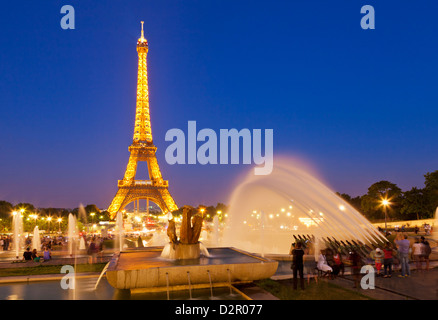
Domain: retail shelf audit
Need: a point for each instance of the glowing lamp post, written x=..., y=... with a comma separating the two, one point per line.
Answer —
x=385, y=204
x=49, y=219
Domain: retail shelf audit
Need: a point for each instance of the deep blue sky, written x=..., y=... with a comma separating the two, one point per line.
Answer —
x=359, y=105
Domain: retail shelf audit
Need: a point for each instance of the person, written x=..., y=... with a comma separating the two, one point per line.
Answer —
x=387, y=260
x=297, y=265
x=377, y=256
x=100, y=249
x=92, y=251
x=6, y=243
x=403, y=250
x=426, y=250
x=338, y=266
x=356, y=264
x=417, y=251
x=27, y=255
x=35, y=256
x=322, y=264
x=309, y=265
x=47, y=255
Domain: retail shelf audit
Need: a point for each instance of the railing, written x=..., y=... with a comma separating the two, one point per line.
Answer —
x=122, y=183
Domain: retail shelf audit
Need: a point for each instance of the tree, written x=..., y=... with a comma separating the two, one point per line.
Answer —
x=414, y=205
x=28, y=207
x=355, y=202
x=6, y=209
x=371, y=203
x=431, y=192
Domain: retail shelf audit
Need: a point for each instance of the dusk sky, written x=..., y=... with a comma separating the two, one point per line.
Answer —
x=358, y=105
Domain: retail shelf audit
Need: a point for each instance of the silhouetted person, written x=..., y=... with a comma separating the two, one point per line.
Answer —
x=298, y=265
x=27, y=255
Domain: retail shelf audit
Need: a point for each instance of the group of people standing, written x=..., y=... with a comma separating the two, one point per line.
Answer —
x=401, y=254
x=330, y=261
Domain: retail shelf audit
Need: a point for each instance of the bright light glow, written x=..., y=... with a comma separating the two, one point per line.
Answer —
x=385, y=202
x=310, y=222
x=341, y=207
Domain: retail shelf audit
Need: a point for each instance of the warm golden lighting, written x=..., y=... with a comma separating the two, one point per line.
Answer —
x=142, y=149
x=310, y=222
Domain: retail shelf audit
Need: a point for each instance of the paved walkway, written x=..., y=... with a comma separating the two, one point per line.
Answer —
x=421, y=285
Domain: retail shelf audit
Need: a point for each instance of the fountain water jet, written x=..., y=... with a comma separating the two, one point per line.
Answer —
x=36, y=241
x=435, y=226
x=266, y=211
x=216, y=230
x=18, y=232
x=72, y=234
x=120, y=233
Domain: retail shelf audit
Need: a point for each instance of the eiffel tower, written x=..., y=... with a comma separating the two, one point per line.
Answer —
x=142, y=149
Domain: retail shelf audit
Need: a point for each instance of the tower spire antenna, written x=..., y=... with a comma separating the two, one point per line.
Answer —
x=142, y=38
x=142, y=32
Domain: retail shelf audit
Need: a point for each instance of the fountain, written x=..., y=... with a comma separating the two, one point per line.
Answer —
x=184, y=261
x=267, y=212
x=435, y=226
x=120, y=233
x=72, y=234
x=82, y=214
x=82, y=244
x=36, y=241
x=216, y=230
x=17, y=225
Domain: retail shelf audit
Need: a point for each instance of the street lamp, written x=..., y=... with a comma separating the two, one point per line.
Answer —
x=49, y=219
x=385, y=203
x=59, y=223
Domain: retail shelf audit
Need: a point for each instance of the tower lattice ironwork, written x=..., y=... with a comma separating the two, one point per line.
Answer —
x=142, y=149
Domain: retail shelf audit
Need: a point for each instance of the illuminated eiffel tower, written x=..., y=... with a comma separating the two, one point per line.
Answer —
x=142, y=149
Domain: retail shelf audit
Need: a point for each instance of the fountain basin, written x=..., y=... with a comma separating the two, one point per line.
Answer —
x=145, y=269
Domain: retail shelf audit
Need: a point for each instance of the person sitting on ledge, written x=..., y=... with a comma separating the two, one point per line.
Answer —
x=35, y=256
x=322, y=264
x=46, y=254
x=27, y=255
